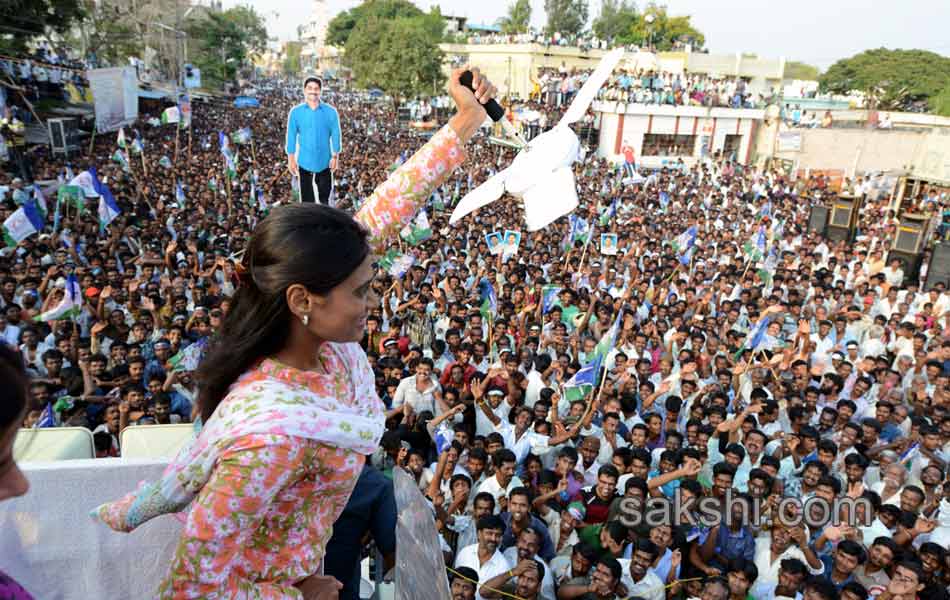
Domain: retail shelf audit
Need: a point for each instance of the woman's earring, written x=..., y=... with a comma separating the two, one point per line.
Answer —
x=305, y=319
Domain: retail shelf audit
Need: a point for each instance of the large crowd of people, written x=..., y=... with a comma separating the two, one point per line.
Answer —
x=683, y=335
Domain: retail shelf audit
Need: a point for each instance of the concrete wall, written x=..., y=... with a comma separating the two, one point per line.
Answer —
x=853, y=150
x=509, y=66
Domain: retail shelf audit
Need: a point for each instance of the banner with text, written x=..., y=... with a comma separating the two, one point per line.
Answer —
x=115, y=97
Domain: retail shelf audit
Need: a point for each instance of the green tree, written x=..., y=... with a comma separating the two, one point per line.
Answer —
x=616, y=20
x=342, y=25
x=569, y=17
x=109, y=31
x=940, y=103
x=663, y=32
x=518, y=18
x=22, y=21
x=292, y=58
x=225, y=40
x=400, y=56
x=891, y=79
x=800, y=70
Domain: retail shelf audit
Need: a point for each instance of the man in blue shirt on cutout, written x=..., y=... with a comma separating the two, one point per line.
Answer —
x=313, y=142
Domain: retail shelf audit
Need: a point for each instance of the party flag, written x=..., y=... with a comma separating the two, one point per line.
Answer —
x=24, y=222
x=171, y=115
x=68, y=307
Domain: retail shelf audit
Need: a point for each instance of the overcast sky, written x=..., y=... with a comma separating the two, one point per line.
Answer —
x=814, y=31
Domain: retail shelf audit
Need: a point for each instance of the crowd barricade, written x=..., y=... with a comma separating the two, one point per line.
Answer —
x=154, y=441
x=49, y=444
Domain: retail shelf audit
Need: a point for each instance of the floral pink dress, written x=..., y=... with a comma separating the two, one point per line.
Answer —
x=264, y=507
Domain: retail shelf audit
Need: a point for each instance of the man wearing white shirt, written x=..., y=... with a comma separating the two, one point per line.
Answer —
x=503, y=481
x=484, y=556
x=421, y=391
x=783, y=543
x=638, y=578
x=9, y=333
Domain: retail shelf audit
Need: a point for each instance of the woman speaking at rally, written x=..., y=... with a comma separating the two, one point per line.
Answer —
x=287, y=396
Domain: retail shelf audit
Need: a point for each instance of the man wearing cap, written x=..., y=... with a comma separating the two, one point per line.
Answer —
x=313, y=142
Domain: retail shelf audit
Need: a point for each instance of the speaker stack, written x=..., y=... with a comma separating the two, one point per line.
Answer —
x=818, y=219
x=908, y=246
x=843, y=220
x=938, y=270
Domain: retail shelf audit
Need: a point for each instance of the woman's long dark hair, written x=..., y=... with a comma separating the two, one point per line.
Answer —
x=13, y=388
x=309, y=244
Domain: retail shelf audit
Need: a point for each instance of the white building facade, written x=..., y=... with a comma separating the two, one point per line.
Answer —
x=660, y=134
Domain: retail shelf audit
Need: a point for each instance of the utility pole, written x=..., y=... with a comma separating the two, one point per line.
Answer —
x=178, y=42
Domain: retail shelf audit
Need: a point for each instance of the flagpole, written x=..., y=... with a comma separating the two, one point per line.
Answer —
x=590, y=236
x=177, y=130
x=253, y=153
x=144, y=168
x=92, y=140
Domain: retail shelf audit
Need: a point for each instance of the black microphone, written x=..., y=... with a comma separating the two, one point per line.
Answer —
x=494, y=110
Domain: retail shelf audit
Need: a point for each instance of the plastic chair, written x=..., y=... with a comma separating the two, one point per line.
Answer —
x=155, y=441
x=53, y=443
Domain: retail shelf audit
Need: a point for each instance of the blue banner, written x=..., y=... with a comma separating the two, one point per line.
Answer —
x=246, y=102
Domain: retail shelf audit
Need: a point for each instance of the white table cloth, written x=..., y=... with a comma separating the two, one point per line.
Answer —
x=53, y=548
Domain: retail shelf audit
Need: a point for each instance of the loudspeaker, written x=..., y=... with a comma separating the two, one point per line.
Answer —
x=911, y=233
x=843, y=218
x=842, y=210
x=818, y=219
x=63, y=134
x=938, y=269
x=910, y=264
x=404, y=115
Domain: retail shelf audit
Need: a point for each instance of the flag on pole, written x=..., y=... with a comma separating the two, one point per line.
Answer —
x=685, y=240
x=179, y=195
x=108, y=211
x=755, y=247
x=581, y=384
x=108, y=208
x=189, y=357
x=261, y=201
x=40, y=199
x=213, y=184
x=171, y=115
x=549, y=297
x=687, y=257
x=230, y=166
x=47, y=419
x=489, y=300
x=224, y=144
x=767, y=272
x=755, y=337
x=242, y=135
x=120, y=139
x=418, y=230
x=165, y=162
x=122, y=159
x=24, y=222
x=184, y=110
x=396, y=264
x=608, y=213
x=136, y=147
x=68, y=307
x=581, y=229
